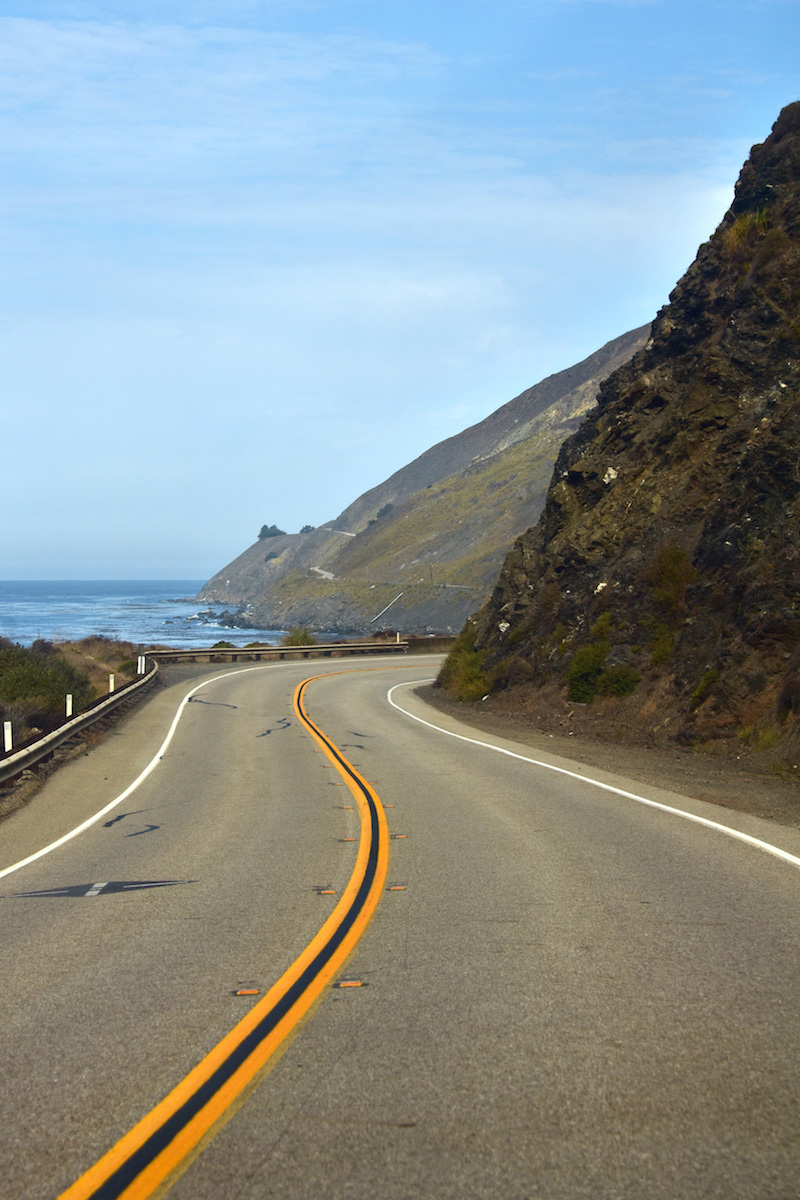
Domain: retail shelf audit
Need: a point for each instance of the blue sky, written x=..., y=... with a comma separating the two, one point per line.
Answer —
x=256, y=256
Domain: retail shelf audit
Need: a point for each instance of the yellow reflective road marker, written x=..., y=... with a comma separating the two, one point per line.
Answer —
x=160, y=1147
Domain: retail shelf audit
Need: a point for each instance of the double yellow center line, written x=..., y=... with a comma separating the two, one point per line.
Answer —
x=148, y=1159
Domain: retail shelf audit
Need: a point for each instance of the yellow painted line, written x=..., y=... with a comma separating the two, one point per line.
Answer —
x=148, y=1159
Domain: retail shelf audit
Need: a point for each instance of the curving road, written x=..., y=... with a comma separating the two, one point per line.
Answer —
x=564, y=992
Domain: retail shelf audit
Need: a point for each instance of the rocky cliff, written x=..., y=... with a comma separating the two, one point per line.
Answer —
x=658, y=596
x=436, y=531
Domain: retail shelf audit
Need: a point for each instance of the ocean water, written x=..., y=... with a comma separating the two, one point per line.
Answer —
x=147, y=612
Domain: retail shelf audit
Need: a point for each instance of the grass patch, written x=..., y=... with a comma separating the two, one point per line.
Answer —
x=33, y=685
x=461, y=673
x=299, y=636
x=587, y=676
x=601, y=628
x=745, y=230
x=662, y=643
x=704, y=687
x=767, y=738
x=618, y=681
x=669, y=574
x=584, y=671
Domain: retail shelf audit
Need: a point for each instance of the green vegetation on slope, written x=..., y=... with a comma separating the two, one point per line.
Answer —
x=462, y=673
x=452, y=535
x=35, y=680
x=33, y=685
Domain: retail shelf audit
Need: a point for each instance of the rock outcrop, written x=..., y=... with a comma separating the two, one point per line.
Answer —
x=658, y=596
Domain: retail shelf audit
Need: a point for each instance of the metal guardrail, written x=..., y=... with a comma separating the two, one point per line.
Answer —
x=22, y=760
x=276, y=653
x=27, y=757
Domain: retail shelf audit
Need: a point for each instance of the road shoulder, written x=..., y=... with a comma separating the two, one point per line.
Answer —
x=729, y=784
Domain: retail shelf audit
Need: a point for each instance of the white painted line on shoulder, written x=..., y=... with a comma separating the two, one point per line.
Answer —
x=151, y=766
x=767, y=847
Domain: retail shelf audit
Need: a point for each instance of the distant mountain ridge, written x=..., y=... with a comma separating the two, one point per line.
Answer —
x=512, y=423
x=446, y=521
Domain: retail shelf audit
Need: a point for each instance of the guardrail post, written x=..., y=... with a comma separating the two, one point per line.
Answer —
x=68, y=707
x=110, y=684
x=14, y=763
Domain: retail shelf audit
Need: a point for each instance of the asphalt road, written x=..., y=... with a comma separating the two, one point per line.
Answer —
x=573, y=995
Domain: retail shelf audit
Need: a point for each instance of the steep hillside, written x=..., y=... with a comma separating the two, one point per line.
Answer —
x=658, y=597
x=436, y=531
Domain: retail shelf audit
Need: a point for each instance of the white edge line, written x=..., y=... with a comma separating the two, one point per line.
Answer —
x=151, y=766
x=792, y=859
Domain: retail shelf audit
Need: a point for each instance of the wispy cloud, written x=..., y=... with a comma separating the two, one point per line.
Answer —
x=381, y=217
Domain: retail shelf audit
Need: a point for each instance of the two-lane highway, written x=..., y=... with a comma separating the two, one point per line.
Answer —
x=564, y=992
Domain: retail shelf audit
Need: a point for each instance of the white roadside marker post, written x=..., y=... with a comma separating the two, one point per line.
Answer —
x=110, y=683
x=8, y=740
x=69, y=705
